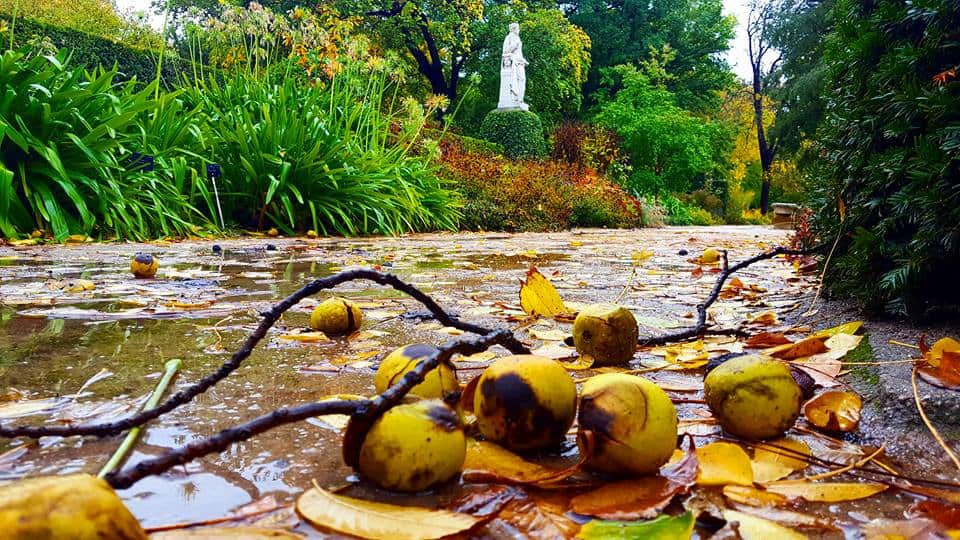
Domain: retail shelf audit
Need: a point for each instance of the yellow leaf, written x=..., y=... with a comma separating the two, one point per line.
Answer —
x=77, y=238
x=80, y=285
x=935, y=354
x=233, y=533
x=692, y=355
x=539, y=297
x=487, y=461
x=774, y=460
x=26, y=242
x=374, y=520
x=834, y=410
x=723, y=463
x=307, y=337
x=847, y=328
x=825, y=491
x=639, y=257
x=753, y=496
x=757, y=528
x=800, y=349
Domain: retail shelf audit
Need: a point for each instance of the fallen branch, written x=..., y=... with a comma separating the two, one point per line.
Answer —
x=701, y=328
x=364, y=413
x=269, y=319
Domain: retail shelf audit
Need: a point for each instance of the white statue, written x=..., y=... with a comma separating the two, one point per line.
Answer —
x=513, y=77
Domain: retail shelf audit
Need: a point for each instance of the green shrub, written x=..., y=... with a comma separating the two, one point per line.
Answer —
x=66, y=148
x=519, y=132
x=891, y=146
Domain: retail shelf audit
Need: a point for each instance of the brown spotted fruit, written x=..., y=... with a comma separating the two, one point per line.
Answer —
x=633, y=421
x=753, y=397
x=336, y=317
x=144, y=265
x=525, y=402
x=62, y=507
x=607, y=333
x=437, y=383
x=413, y=447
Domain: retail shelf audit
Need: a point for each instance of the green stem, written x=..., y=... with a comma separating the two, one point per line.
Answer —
x=118, y=457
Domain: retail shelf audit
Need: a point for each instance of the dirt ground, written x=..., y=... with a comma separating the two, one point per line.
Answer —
x=54, y=336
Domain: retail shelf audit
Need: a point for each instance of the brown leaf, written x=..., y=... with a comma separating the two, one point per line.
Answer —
x=639, y=498
x=487, y=500
x=834, y=410
x=468, y=393
x=946, y=374
x=488, y=462
x=536, y=519
x=947, y=515
x=801, y=349
x=914, y=529
x=764, y=340
x=233, y=533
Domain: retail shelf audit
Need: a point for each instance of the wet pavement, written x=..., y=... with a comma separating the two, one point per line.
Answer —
x=203, y=304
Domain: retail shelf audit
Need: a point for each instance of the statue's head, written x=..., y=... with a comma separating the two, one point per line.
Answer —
x=514, y=28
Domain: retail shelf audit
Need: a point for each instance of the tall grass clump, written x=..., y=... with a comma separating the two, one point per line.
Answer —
x=338, y=156
x=68, y=145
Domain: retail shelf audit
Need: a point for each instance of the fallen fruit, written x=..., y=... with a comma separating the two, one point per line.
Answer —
x=633, y=421
x=144, y=265
x=413, y=447
x=525, y=402
x=72, y=506
x=437, y=383
x=336, y=317
x=710, y=256
x=606, y=332
x=273, y=232
x=754, y=397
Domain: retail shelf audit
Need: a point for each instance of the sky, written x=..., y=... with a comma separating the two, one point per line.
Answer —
x=736, y=56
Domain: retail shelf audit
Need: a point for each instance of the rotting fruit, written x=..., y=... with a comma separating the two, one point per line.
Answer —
x=144, y=265
x=606, y=332
x=754, y=396
x=633, y=421
x=437, y=383
x=72, y=506
x=336, y=317
x=525, y=402
x=414, y=446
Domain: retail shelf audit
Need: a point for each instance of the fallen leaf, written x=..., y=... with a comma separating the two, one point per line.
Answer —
x=801, y=349
x=935, y=353
x=553, y=334
x=946, y=373
x=825, y=491
x=692, y=355
x=834, y=410
x=912, y=529
x=30, y=407
x=847, y=328
x=539, y=297
x=788, y=518
x=663, y=528
x=488, y=462
x=765, y=340
x=367, y=519
x=723, y=463
x=639, y=257
x=639, y=498
x=482, y=501
x=80, y=285
x=767, y=318
x=753, y=496
x=555, y=351
x=234, y=533
x=306, y=337
x=947, y=515
x=538, y=519
x=756, y=528
x=774, y=460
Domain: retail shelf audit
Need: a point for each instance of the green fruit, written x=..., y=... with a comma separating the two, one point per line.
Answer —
x=63, y=507
x=336, y=317
x=413, y=447
x=633, y=421
x=438, y=382
x=525, y=402
x=710, y=256
x=754, y=397
x=606, y=332
x=144, y=265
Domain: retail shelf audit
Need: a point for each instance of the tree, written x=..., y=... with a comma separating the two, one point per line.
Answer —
x=764, y=62
x=97, y=17
x=625, y=31
x=669, y=147
x=558, y=52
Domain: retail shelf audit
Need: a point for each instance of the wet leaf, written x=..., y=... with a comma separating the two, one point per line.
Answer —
x=756, y=528
x=946, y=372
x=580, y=363
x=30, y=407
x=538, y=519
x=779, y=458
x=550, y=334
x=692, y=355
x=639, y=257
x=663, y=528
x=723, y=463
x=367, y=519
x=555, y=351
x=539, y=297
x=488, y=462
x=767, y=318
x=639, y=498
x=847, y=328
x=765, y=340
x=803, y=348
x=235, y=533
x=788, y=518
x=825, y=491
x=753, y=496
x=482, y=501
x=913, y=529
x=834, y=410
x=947, y=515
x=80, y=285
x=934, y=354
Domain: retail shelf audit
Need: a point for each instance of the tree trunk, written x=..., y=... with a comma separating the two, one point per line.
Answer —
x=766, y=153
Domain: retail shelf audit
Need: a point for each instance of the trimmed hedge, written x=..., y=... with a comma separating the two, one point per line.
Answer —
x=89, y=50
x=519, y=132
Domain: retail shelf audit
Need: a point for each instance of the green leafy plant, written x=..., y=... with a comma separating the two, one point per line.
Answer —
x=519, y=132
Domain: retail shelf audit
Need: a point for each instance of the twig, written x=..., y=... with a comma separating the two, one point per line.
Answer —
x=850, y=467
x=269, y=318
x=933, y=431
x=118, y=457
x=364, y=413
x=700, y=329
